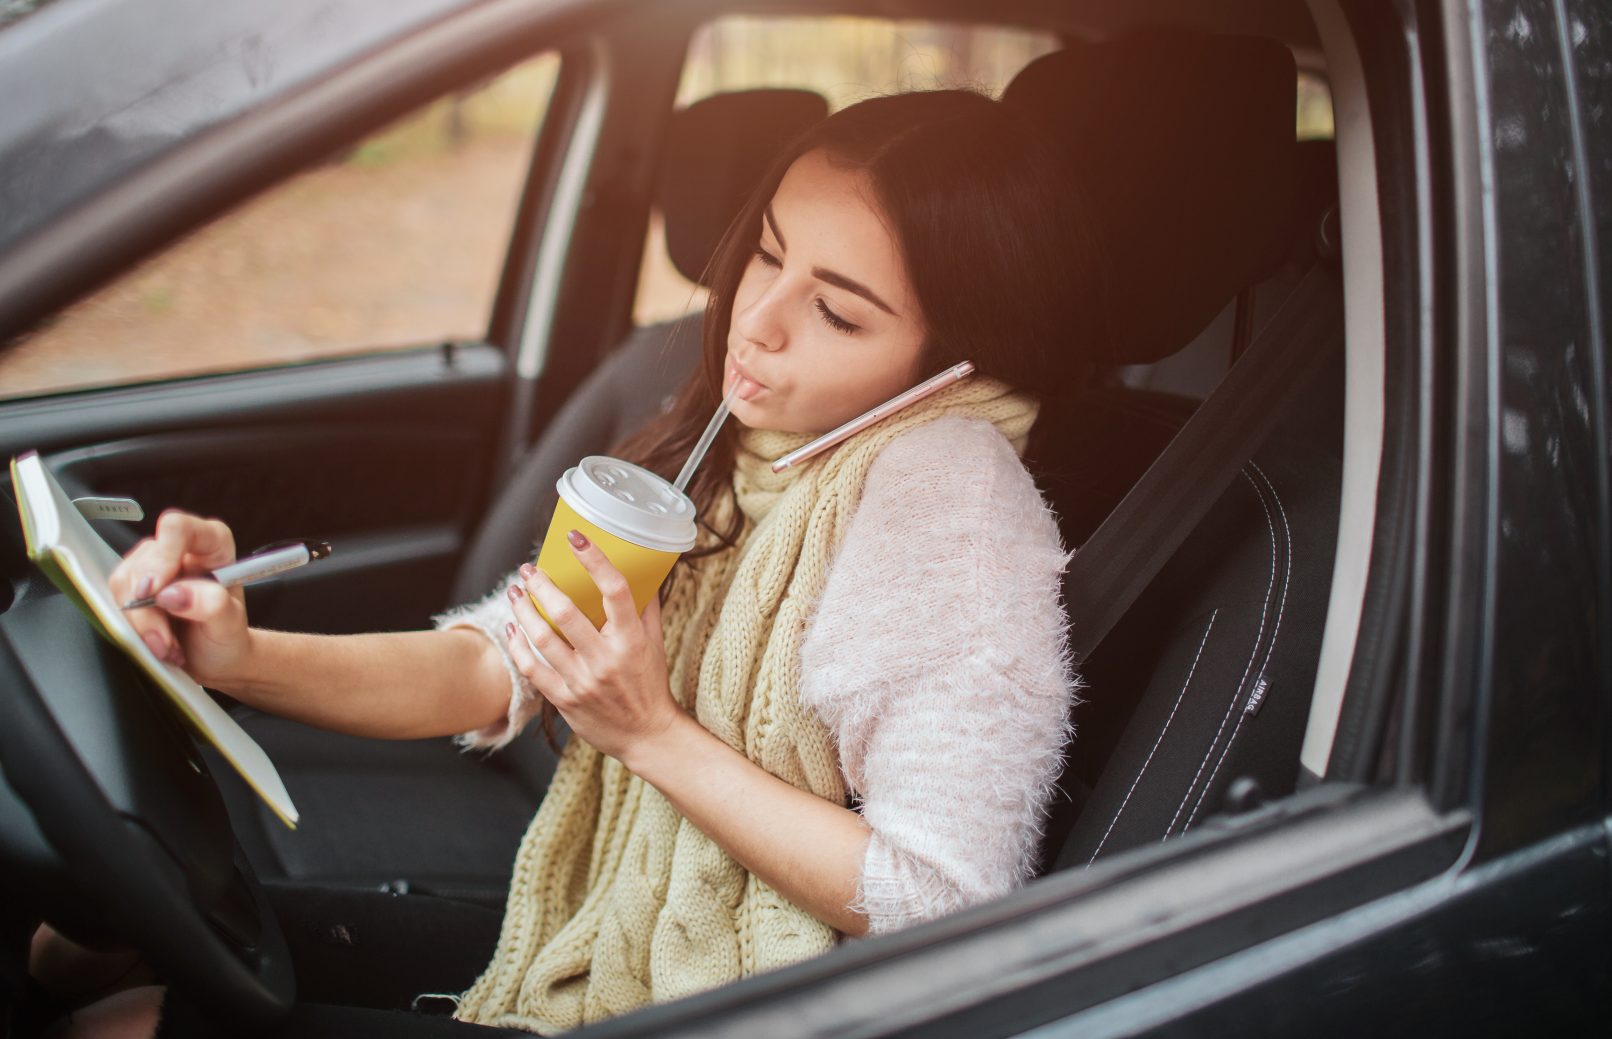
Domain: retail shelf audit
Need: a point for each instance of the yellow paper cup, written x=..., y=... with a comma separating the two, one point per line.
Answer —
x=640, y=521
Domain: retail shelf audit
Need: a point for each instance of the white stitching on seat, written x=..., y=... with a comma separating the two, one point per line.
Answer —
x=1237, y=694
x=1276, y=630
x=1137, y=781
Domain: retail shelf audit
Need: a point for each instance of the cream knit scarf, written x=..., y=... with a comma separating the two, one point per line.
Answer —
x=616, y=900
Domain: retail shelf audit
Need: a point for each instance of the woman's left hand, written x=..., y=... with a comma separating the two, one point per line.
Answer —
x=610, y=684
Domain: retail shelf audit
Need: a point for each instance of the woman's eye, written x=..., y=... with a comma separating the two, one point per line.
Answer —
x=766, y=257
x=834, y=321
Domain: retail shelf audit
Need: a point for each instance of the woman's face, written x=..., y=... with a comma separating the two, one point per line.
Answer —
x=825, y=324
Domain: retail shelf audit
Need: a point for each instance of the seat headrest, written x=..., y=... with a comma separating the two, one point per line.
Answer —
x=717, y=151
x=1183, y=146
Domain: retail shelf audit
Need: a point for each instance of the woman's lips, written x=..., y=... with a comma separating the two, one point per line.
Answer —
x=748, y=387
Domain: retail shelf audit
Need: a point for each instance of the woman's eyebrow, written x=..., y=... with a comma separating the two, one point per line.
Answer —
x=824, y=274
x=835, y=278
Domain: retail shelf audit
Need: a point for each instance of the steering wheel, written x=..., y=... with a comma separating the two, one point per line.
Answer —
x=110, y=821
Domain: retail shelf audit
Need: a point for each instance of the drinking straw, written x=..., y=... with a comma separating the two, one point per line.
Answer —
x=704, y=444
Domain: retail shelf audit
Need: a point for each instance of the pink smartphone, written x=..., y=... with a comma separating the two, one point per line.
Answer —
x=901, y=400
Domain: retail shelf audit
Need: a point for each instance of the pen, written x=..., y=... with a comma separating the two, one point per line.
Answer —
x=264, y=562
x=901, y=400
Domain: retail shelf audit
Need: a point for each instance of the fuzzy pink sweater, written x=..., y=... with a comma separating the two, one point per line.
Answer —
x=938, y=659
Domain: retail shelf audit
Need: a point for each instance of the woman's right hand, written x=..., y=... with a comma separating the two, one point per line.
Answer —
x=198, y=625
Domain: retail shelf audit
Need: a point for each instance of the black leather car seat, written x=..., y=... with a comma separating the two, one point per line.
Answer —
x=1206, y=681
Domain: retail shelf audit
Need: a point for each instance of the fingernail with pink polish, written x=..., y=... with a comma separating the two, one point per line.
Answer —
x=526, y=569
x=174, y=597
x=143, y=589
x=514, y=593
x=578, y=542
x=509, y=631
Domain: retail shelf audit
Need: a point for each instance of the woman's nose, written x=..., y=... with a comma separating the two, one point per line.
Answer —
x=760, y=320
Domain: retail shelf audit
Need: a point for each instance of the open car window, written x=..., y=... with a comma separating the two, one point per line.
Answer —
x=396, y=241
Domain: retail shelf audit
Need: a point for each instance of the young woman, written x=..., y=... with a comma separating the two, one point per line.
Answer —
x=847, y=710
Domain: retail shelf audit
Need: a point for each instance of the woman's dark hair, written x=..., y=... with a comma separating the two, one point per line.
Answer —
x=997, y=249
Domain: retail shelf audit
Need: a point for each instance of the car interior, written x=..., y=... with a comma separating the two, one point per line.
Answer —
x=1219, y=687
x=1214, y=661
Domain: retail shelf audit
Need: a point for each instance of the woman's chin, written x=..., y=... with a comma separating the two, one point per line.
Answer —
x=750, y=414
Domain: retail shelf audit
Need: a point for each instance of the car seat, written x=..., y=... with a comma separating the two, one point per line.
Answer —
x=1206, y=681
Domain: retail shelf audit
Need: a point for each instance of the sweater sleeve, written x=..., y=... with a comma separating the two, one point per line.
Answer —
x=938, y=655
x=488, y=615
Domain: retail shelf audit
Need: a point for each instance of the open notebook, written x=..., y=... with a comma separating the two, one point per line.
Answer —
x=79, y=561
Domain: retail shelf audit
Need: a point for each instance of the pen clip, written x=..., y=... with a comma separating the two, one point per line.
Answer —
x=110, y=508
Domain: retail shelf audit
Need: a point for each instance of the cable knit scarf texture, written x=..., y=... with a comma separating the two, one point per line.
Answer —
x=616, y=900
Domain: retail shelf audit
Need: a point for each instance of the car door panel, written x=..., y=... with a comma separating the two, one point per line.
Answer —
x=392, y=472
x=1516, y=947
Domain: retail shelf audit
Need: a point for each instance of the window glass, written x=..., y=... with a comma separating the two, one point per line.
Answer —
x=1314, y=109
x=396, y=242
x=845, y=60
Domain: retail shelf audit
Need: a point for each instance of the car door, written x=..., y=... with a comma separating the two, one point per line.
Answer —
x=335, y=357
x=366, y=376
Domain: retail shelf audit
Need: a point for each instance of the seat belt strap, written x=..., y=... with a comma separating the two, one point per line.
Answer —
x=1123, y=555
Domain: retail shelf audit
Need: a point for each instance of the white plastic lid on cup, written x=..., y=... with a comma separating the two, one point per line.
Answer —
x=630, y=502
